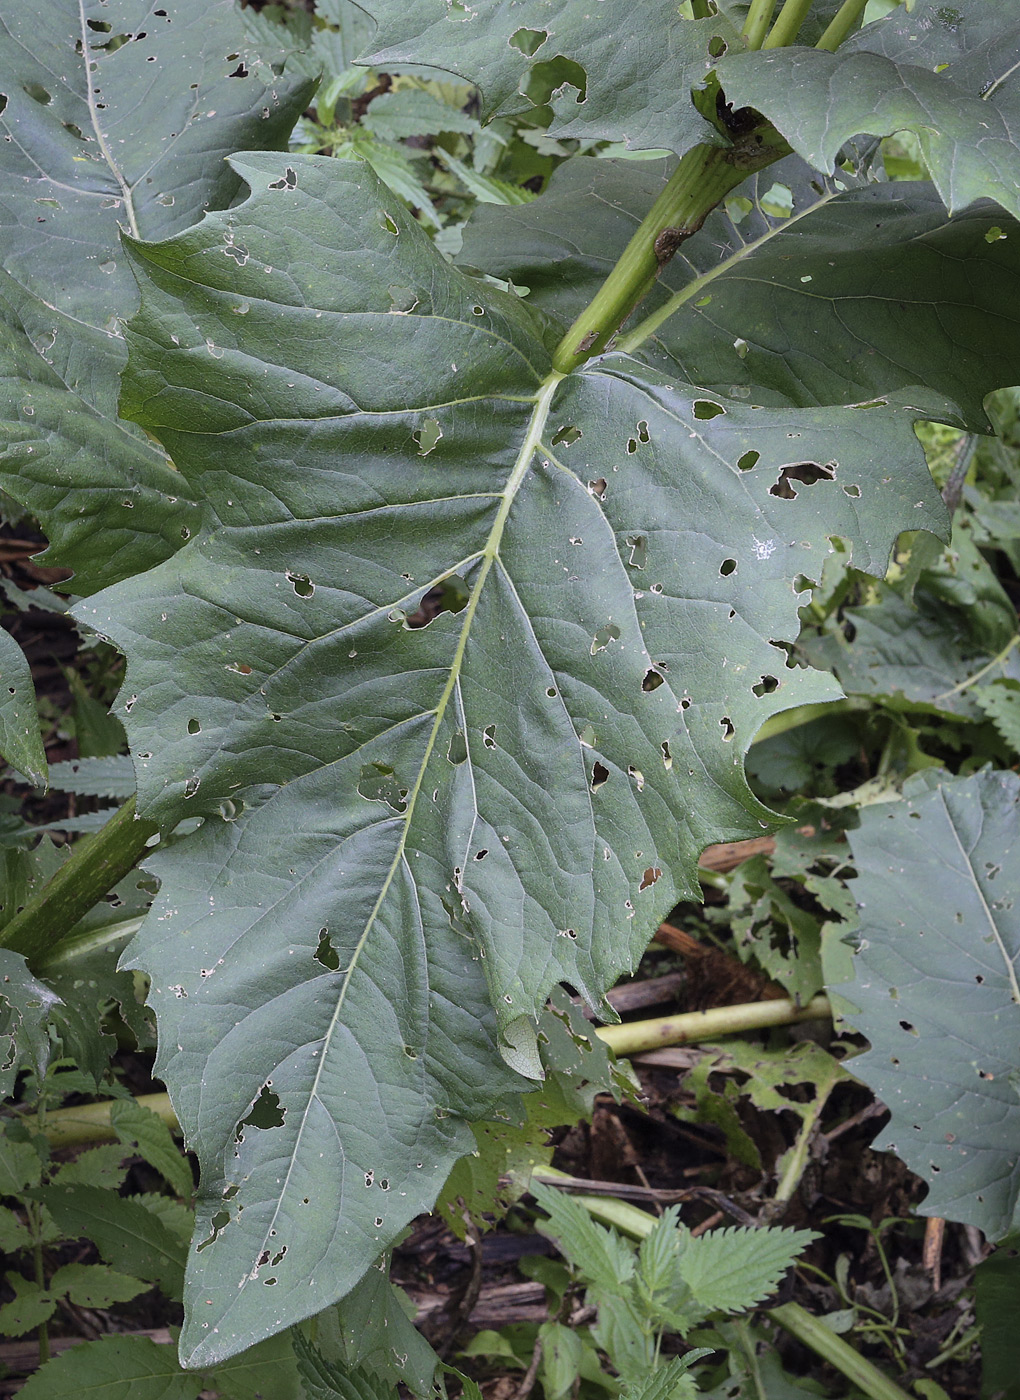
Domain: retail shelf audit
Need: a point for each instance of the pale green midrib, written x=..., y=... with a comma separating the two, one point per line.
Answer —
x=125, y=188
x=532, y=441
x=627, y=344
x=1004, y=951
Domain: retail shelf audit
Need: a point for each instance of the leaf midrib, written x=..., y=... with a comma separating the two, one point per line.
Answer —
x=490, y=552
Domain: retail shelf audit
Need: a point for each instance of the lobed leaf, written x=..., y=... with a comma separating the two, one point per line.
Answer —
x=936, y=965
x=26, y=1006
x=608, y=81
x=113, y=115
x=947, y=73
x=411, y=833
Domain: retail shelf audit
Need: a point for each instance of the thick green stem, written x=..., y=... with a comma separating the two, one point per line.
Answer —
x=704, y=176
x=813, y=1333
x=842, y=24
x=787, y=26
x=88, y=1123
x=705, y=1025
x=91, y=871
x=759, y=17
x=821, y=1339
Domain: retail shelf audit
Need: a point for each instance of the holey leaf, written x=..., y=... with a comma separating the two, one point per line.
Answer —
x=937, y=990
x=113, y=113
x=413, y=832
x=947, y=72
x=623, y=77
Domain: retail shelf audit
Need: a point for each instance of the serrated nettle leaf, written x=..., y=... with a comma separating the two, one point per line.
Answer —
x=115, y=116
x=602, y=1256
x=144, y=1132
x=936, y=965
x=117, y=1368
x=94, y=1285
x=126, y=1234
x=914, y=71
x=14, y=1234
x=101, y=1166
x=859, y=290
x=610, y=81
x=404, y=823
x=31, y=1306
x=26, y=1006
x=323, y=1380
x=20, y=739
x=733, y=1269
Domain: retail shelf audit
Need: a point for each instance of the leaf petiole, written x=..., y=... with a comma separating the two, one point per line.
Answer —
x=90, y=871
x=842, y=24
x=759, y=17
x=786, y=28
x=704, y=176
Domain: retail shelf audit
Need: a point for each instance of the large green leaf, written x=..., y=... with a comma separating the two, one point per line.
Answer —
x=114, y=115
x=403, y=824
x=855, y=292
x=611, y=80
x=947, y=72
x=936, y=987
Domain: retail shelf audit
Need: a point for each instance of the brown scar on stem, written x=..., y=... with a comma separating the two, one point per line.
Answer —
x=586, y=343
x=668, y=243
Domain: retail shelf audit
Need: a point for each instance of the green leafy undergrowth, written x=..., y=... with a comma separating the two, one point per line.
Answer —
x=671, y=1284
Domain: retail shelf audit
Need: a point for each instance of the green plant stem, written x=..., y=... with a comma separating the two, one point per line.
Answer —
x=90, y=1122
x=759, y=17
x=651, y=323
x=636, y=1036
x=821, y=1339
x=93, y=868
x=842, y=24
x=700, y=10
x=43, y=1331
x=996, y=660
x=796, y=1160
x=704, y=176
x=787, y=26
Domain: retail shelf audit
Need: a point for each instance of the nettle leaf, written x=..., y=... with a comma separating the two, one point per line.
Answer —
x=852, y=293
x=610, y=81
x=126, y=1234
x=937, y=952
x=116, y=1368
x=733, y=1269
x=114, y=115
x=145, y=1133
x=412, y=833
x=20, y=739
x=946, y=73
